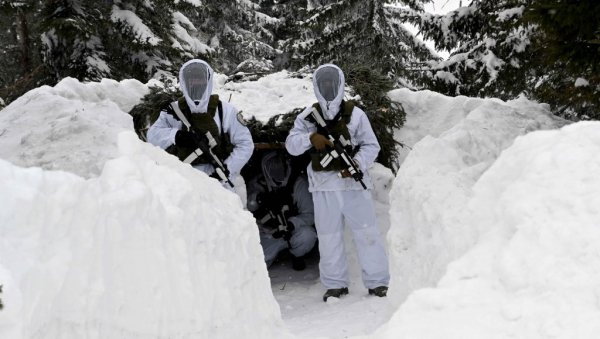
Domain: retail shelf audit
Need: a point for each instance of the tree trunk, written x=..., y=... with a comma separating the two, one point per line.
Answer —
x=24, y=42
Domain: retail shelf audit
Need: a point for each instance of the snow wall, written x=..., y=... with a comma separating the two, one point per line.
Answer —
x=490, y=237
x=124, y=241
x=495, y=230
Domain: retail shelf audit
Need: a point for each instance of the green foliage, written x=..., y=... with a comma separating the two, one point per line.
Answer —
x=567, y=48
x=241, y=34
x=385, y=116
x=489, y=49
x=11, y=54
x=137, y=54
x=276, y=129
x=20, y=55
x=147, y=111
x=570, y=32
x=91, y=40
x=545, y=49
x=71, y=47
x=355, y=33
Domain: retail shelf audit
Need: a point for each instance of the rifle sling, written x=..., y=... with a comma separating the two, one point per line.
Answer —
x=198, y=152
x=180, y=115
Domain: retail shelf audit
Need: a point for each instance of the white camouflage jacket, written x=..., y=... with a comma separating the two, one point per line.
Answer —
x=361, y=133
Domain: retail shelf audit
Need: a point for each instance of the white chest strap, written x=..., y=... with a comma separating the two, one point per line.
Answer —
x=197, y=152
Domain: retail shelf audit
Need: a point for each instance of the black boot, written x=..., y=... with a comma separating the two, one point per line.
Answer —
x=298, y=263
x=335, y=292
x=380, y=291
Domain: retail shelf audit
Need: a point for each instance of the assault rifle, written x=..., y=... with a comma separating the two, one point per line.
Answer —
x=279, y=216
x=205, y=143
x=339, y=149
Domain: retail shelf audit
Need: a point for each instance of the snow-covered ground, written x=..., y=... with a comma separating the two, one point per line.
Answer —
x=492, y=227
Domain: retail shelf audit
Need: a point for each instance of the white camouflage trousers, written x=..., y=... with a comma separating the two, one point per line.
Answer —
x=356, y=207
x=302, y=241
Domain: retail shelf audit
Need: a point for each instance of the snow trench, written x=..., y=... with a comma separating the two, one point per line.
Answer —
x=493, y=231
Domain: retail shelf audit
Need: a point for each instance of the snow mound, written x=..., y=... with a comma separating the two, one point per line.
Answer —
x=72, y=126
x=533, y=270
x=276, y=93
x=141, y=251
x=429, y=113
x=435, y=183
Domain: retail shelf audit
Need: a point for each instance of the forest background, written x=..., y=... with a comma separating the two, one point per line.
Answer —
x=544, y=50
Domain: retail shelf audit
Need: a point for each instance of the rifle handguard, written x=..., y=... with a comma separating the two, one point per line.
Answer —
x=338, y=150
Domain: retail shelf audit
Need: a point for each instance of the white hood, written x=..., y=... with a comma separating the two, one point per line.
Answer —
x=196, y=83
x=328, y=83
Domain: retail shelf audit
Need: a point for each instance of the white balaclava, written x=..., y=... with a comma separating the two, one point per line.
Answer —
x=328, y=82
x=196, y=83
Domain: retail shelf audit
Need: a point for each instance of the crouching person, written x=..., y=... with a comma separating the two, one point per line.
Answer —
x=283, y=208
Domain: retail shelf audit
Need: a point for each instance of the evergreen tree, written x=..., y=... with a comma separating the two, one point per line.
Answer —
x=241, y=35
x=71, y=45
x=490, y=48
x=19, y=50
x=147, y=111
x=567, y=42
x=544, y=49
x=15, y=57
x=90, y=40
x=351, y=33
x=150, y=38
x=290, y=14
x=384, y=116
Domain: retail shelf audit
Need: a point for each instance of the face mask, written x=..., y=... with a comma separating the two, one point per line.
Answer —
x=328, y=82
x=276, y=170
x=196, y=78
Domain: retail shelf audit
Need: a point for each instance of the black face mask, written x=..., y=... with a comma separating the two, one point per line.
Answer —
x=276, y=170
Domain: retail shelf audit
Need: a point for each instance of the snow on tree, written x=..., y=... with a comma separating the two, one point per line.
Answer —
x=90, y=40
x=355, y=32
x=70, y=44
x=505, y=48
x=241, y=35
x=489, y=48
x=152, y=37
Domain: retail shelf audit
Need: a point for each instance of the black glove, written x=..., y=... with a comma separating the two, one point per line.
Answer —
x=271, y=223
x=291, y=226
x=185, y=139
x=286, y=235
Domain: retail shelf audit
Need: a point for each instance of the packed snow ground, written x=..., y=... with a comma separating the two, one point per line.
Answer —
x=493, y=227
